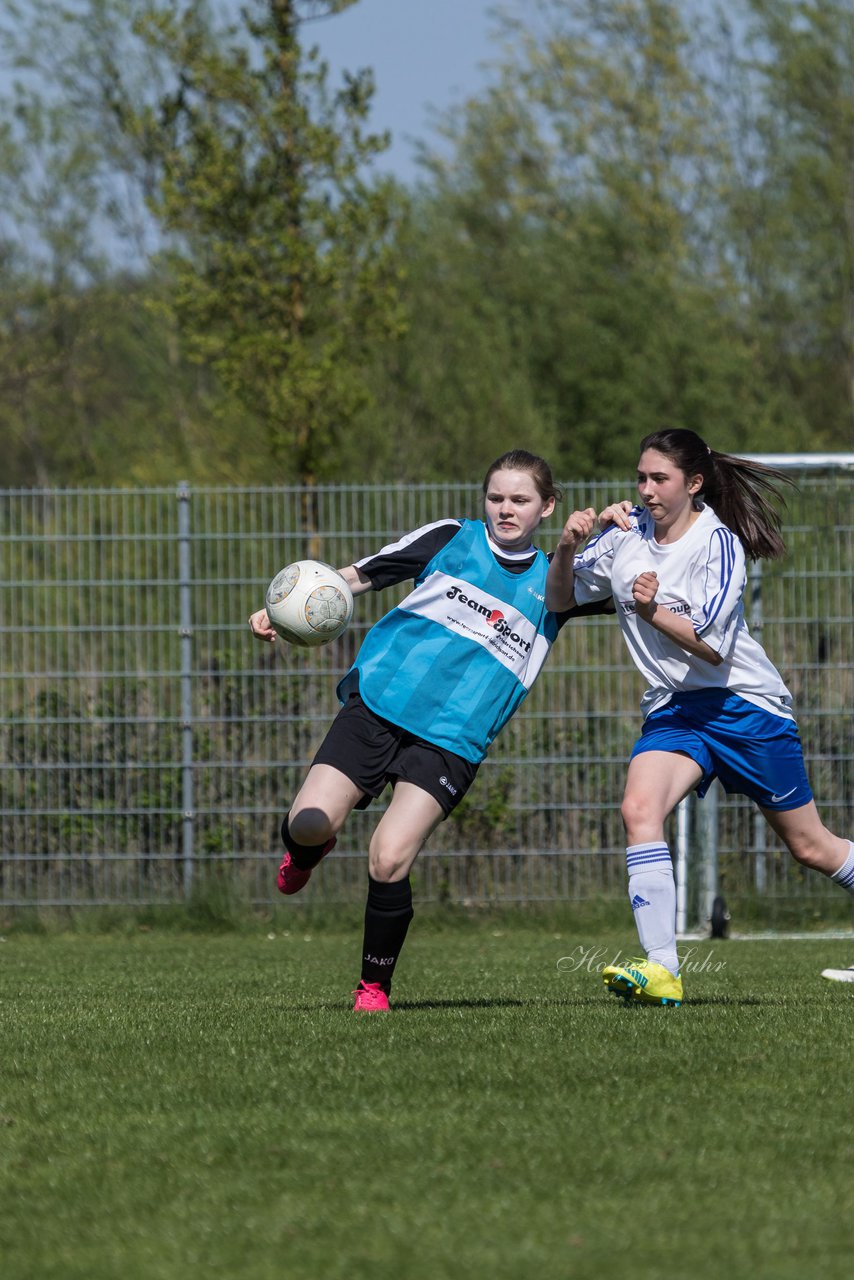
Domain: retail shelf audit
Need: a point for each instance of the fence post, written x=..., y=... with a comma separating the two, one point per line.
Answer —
x=707, y=840
x=683, y=829
x=185, y=605
x=760, y=878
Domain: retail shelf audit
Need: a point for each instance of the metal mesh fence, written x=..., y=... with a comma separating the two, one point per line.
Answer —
x=150, y=743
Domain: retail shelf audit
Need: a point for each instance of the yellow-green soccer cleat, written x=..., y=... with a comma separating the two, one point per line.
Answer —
x=644, y=981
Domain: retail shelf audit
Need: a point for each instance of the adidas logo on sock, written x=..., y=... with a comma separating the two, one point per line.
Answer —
x=638, y=901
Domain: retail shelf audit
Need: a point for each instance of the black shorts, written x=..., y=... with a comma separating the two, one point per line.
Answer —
x=373, y=752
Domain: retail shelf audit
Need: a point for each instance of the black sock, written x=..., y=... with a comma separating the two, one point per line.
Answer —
x=387, y=916
x=304, y=856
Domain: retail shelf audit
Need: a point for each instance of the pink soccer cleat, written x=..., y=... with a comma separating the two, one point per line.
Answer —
x=292, y=878
x=370, y=998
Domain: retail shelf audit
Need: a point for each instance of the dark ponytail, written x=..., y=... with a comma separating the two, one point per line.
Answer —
x=743, y=494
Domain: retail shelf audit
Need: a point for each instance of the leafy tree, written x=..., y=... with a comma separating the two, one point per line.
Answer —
x=274, y=241
x=577, y=292
x=794, y=218
x=92, y=384
x=81, y=363
x=48, y=258
x=645, y=217
x=283, y=275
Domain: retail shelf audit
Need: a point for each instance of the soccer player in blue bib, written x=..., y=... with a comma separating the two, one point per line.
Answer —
x=715, y=706
x=433, y=683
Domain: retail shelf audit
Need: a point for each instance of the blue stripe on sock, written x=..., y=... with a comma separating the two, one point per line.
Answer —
x=652, y=859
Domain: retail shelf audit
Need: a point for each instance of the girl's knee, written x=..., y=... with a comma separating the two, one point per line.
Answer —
x=811, y=844
x=385, y=869
x=637, y=812
x=813, y=856
x=308, y=826
x=386, y=862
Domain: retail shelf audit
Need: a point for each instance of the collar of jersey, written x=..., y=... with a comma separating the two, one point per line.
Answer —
x=503, y=554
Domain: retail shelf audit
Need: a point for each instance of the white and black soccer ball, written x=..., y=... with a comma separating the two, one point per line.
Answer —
x=309, y=603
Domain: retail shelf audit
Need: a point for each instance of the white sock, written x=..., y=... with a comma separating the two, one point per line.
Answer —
x=845, y=875
x=652, y=893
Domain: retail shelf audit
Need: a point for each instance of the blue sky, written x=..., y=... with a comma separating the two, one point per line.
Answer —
x=424, y=53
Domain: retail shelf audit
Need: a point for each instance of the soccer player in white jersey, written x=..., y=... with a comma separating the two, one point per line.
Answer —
x=433, y=682
x=715, y=706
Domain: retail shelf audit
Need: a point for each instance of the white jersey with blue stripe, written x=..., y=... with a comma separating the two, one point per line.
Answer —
x=702, y=577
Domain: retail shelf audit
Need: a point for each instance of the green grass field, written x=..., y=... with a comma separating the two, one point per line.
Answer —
x=178, y=1105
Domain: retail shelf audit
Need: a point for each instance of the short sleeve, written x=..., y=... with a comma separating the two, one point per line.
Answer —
x=404, y=560
x=721, y=579
x=592, y=568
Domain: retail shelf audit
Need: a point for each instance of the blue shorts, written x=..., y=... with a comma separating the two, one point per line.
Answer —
x=752, y=751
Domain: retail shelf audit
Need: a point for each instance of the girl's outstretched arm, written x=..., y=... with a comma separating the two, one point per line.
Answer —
x=259, y=623
x=357, y=581
x=560, y=593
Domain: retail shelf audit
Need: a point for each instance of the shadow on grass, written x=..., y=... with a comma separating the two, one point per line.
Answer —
x=734, y=1002
x=484, y=1002
x=588, y=1002
x=409, y=1006
x=591, y=1001
x=595, y=1001
x=742, y=1002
